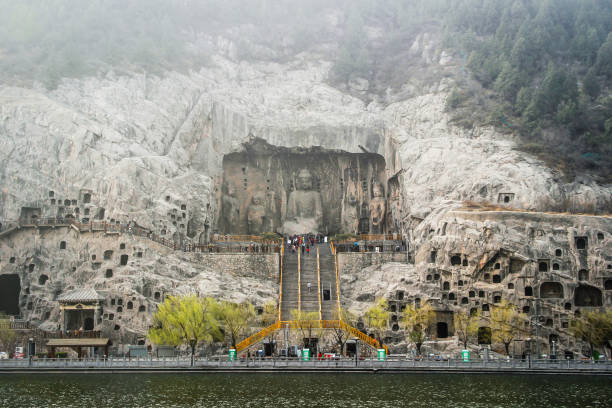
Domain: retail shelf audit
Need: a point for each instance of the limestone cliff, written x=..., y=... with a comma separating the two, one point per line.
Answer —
x=150, y=149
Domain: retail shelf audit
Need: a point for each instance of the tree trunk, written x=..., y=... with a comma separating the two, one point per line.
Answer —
x=507, y=346
x=192, y=354
x=418, y=347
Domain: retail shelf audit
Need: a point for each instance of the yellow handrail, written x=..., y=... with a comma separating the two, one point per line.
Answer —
x=319, y=284
x=280, y=287
x=257, y=337
x=337, y=285
x=313, y=324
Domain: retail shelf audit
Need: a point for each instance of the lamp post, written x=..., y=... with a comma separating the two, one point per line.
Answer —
x=528, y=341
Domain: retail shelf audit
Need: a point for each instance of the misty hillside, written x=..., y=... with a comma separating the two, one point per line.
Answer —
x=537, y=69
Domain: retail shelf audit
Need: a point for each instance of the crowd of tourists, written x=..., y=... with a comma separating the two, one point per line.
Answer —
x=304, y=242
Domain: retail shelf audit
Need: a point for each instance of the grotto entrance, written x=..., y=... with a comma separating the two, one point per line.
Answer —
x=10, y=286
x=80, y=310
x=587, y=296
x=442, y=330
x=302, y=190
x=78, y=320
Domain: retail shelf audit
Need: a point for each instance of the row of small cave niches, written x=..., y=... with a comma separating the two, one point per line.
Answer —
x=70, y=207
x=107, y=256
x=119, y=306
x=85, y=198
x=580, y=242
x=177, y=216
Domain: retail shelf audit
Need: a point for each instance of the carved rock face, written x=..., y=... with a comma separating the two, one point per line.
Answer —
x=311, y=189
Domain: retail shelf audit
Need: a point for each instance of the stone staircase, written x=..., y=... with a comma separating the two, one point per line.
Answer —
x=329, y=292
x=290, y=294
x=310, y=298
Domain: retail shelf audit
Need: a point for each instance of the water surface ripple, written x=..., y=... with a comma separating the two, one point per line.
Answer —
x=302, y=390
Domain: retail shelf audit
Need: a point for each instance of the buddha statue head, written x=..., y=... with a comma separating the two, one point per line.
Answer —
x=304, y=180
x=378, y=190
x=227, y=189
x=257, y=199
x=351, y=194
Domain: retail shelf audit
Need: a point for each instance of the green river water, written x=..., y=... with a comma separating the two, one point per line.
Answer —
x=303, y=390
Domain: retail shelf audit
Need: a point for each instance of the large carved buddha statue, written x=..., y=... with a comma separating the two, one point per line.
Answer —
x=304, y=209
x=378, y=208
x=256, y=214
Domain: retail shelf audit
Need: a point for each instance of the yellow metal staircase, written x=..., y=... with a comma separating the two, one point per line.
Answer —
x=314, y=324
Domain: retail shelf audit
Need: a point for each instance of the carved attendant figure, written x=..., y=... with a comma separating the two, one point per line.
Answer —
x=378, y=208
x=350, y=216
x=230, y=208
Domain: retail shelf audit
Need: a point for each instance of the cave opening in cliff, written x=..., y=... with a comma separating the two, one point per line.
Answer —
x=268, y=188
x=10, y=286
x=442, y=330
x=551, y=290
x=455, y=260
x=79, y=319
x=587, y=296
x=326, y=294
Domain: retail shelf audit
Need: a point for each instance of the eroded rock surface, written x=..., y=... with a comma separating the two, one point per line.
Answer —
x=150, y=149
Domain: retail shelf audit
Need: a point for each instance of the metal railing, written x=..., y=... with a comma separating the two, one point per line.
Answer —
x=323, y=362
x=244, y=238
x=280, y=285
x=229, y=243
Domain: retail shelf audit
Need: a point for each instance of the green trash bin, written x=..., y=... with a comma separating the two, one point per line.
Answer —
x=232, y=354
x=306, y=355
x=465, y=354
x=382, y=355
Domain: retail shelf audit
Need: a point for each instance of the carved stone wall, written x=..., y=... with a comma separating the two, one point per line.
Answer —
x=258, y=185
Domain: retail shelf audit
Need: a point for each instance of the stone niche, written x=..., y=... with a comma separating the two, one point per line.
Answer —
x=10, y=287
x=299, y=190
